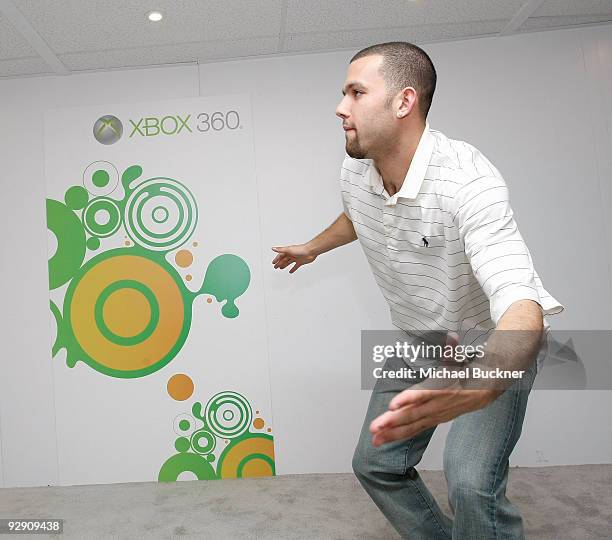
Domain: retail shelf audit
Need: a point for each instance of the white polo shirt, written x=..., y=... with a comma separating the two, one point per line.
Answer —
x=445, y=249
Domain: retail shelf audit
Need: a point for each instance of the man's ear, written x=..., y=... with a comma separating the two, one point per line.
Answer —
x=408, y=100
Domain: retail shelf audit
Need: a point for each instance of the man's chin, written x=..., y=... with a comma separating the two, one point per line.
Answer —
x=355, y=153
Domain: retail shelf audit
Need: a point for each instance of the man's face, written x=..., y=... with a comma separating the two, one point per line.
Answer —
x=367, y=119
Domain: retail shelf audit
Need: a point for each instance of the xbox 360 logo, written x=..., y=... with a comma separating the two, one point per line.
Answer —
x=108, y=129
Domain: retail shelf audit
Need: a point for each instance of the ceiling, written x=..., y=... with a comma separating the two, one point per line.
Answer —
x=40, y=37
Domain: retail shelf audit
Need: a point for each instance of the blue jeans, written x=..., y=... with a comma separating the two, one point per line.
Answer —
x=476, y=455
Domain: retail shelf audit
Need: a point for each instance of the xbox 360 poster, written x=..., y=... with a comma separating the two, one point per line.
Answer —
x=159, y=339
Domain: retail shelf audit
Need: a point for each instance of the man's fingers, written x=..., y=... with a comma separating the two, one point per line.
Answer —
x=284, y=263
x=384, y=421
x=399, y=433
x=282, y=260
x=405, y=415
x=410, y=396
x=285, y=257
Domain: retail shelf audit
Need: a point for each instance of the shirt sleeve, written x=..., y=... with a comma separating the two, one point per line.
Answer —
x=345, y=190
x=346, y=206
x=495, y=248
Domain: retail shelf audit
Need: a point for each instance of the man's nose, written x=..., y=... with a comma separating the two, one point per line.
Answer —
x=341, y=110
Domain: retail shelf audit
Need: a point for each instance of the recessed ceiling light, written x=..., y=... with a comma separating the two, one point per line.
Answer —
x=154, y=16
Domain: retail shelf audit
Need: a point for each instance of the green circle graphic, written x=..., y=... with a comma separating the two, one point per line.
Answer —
x=240, y=418
x=70, y=235
x=147, y=230
x=181, y=444
x=165, y=234
x=163, y=211
x=102, y=229
x=76, y=197
x=100, y=178
x=99, y=307
x=93, y=243
x=186, y=462
x=210, y=442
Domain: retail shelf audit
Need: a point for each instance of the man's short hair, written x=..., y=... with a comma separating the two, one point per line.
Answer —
x=404, y=64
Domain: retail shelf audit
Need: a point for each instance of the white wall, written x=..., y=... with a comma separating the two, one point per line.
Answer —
x=538, y=105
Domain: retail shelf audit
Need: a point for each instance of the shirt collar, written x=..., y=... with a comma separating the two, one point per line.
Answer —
x=416, y=172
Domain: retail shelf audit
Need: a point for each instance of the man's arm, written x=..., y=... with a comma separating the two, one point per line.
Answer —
x=513, y=345
x=340, y=232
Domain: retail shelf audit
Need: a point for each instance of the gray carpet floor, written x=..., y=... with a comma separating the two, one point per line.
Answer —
x=570, y=502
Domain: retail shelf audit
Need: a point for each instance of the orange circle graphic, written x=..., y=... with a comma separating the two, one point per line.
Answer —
x=153, y=348
x=184, y=258
x=180, y=387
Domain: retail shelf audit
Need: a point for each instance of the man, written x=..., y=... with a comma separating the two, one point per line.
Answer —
x=433, y=217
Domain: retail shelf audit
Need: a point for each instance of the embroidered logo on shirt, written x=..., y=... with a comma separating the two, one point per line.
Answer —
x=425, y=242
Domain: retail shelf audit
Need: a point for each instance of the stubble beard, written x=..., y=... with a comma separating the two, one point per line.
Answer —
x=353, y=148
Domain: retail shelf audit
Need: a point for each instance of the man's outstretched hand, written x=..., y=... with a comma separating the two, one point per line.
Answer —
x=425, y=405
x=419, y=409
x=297, y=255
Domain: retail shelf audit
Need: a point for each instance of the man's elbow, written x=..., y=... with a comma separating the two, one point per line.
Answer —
x=523, y=315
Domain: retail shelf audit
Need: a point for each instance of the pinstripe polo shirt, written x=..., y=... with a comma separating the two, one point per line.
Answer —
x=445, y=249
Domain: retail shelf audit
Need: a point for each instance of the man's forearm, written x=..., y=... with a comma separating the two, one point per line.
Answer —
x=340, y=232
x=513, y=346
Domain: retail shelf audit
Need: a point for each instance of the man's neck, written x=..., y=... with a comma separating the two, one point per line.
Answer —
x=393, y=166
